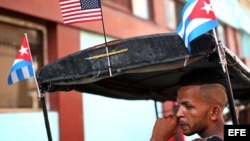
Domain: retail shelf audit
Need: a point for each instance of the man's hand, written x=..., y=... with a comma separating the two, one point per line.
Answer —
x=164, y=128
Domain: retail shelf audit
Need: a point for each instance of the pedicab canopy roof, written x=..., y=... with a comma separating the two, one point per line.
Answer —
x=142, y=68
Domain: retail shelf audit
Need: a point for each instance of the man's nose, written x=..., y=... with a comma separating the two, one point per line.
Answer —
x=179, y=112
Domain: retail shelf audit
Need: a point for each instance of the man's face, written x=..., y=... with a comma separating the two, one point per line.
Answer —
x=192, y=111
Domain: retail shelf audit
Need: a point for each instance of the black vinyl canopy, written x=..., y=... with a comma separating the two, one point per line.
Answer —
x=144, y=67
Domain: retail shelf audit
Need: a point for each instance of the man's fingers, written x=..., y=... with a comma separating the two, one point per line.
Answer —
x=169, y=116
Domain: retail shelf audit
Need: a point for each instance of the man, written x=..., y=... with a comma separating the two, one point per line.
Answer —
x=201, y=98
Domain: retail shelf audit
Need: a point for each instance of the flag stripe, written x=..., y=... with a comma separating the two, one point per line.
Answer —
x=73, y=12
x=66, y=4
x=80, y=20
x=91, y=11
x=68, y=1
x=191, y=25
x=199, y=30
x=19, y=64
x=20, y=74
x=87, y=15
x=27, y=72
x=12, y=78
x=186, y=12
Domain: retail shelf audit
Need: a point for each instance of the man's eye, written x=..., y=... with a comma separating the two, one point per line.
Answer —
x=189, y=106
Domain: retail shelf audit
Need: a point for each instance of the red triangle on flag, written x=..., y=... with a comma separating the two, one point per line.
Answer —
x=24, y=51
x=203, y=9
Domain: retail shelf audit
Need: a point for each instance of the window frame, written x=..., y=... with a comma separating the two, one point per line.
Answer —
x=34, y=106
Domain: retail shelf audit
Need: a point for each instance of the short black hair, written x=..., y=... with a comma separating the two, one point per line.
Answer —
x=202, y=76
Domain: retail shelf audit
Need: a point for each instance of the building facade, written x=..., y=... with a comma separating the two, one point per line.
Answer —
x=50, y=40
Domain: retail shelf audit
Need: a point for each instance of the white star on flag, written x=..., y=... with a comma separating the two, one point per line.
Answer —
x=207, y=7
x=23, y=50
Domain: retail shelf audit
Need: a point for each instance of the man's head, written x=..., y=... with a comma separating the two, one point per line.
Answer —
x=201, y=99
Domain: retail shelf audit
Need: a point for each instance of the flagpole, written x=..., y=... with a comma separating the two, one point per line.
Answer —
x=41, y=99
x=46, y=119
x=156, y=109
x=106, y=44
x=223, y=61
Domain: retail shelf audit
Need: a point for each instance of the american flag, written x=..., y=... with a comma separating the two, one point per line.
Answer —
x=74, y=11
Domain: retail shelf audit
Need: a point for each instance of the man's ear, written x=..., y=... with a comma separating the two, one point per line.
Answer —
x=215, y=112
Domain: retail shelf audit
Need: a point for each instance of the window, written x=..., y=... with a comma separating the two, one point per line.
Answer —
x=141, y=9
x=122, y=5
x=170, y=13
x=22, y=94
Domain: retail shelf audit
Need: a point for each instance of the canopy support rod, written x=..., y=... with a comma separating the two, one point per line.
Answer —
x=223, y=61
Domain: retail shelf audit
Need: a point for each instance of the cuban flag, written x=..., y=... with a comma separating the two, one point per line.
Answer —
x=197, y=18
x=22, y=67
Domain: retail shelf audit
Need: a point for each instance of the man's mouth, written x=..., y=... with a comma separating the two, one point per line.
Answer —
x=183, y=126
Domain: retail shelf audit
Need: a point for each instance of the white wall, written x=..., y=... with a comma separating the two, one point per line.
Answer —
x=27, y=126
